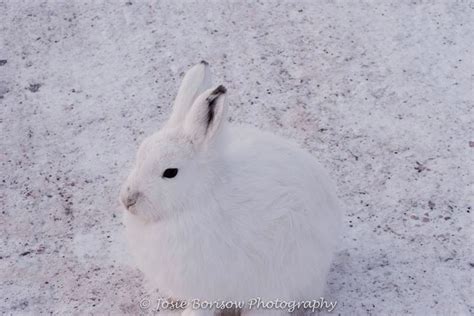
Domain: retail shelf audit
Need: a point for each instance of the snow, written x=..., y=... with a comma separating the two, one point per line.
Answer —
x=380, y=92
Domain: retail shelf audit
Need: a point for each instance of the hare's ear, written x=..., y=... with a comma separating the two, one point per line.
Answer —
x=196, y=81
x=206, y=116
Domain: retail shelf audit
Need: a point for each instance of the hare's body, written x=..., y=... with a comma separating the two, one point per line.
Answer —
x=259, y=219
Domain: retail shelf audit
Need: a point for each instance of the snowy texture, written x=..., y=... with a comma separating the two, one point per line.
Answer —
x=379, y=92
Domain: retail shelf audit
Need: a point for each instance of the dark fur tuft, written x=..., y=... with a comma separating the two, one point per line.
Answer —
x=211, y=100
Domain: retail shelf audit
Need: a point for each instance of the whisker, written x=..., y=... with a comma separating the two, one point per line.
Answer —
x=152, y=209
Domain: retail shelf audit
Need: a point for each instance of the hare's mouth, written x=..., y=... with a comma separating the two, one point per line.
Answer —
x=132, y=209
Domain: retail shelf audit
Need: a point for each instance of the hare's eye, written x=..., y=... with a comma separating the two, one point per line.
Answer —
x=170, y=173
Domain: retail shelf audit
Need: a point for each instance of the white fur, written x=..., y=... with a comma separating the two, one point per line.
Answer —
x=249, y=214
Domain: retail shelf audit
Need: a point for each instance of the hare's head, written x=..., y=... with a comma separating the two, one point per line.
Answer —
x=173, y=166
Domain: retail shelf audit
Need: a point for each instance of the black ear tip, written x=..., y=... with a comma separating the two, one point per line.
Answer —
x=220, y=90
x=204, y=62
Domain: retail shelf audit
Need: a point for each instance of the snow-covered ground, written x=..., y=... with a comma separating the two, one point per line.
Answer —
x=379, y=91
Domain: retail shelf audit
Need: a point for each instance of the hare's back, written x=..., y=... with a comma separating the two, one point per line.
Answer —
x=264, y=156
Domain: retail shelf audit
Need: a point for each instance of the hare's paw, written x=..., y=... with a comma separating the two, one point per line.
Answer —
x=264, y=312
x=197, y=312
x=168, y=313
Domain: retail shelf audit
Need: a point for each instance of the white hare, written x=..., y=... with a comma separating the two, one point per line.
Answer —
x=220, y=211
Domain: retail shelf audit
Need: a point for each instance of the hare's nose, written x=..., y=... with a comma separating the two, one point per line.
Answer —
x=130, y=199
